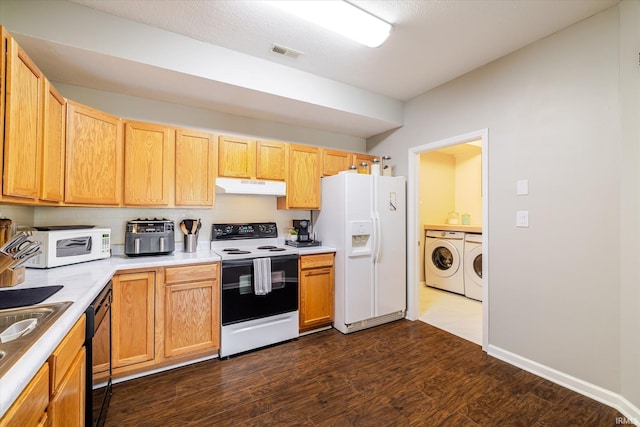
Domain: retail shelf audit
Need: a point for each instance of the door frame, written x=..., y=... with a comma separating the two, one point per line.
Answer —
x=415, y=232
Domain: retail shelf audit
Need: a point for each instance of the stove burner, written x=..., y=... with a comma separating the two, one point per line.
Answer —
x=230, y=249
x=267, y=247
x=237, y=252
x=277, y=249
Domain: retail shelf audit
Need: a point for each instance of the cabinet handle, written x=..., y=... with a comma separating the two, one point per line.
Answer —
x=318, y=272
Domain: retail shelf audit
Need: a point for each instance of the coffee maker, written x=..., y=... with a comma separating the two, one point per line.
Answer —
x=303, y=227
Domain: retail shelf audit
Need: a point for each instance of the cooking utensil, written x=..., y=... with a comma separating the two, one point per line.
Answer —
x=194, y=226
x=26, y=249
x=183, y=227
x=17, y=240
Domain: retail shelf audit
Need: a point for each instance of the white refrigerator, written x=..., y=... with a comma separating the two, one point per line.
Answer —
x=364, y=218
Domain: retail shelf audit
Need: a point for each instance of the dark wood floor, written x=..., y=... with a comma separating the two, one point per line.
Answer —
x=400, y=374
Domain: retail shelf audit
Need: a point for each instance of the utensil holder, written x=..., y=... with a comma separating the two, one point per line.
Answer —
x=190, y=242
x=10, y=277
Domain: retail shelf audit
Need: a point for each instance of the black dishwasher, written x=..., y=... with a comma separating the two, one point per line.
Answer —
x=98, y=348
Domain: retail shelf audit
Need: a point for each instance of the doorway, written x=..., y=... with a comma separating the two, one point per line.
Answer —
x=415, y=226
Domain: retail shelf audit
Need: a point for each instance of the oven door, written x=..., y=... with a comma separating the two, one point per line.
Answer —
x=239, y=301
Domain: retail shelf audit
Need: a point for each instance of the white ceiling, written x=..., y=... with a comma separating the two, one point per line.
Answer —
x=433, y=41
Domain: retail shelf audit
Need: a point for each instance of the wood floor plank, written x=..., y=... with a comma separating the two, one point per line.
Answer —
x=399, y=374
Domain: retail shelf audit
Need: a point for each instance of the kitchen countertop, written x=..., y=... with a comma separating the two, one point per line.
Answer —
x=457, y=227
x=81, y=285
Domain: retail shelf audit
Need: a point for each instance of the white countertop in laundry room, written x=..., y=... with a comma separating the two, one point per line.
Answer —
x=454, y=227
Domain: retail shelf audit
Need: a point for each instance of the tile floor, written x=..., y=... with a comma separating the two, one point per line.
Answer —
x=451, y=312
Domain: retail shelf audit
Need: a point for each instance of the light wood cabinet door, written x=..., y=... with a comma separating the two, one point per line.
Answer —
x=191, y=309
x=195, y=168
x=271, y=160
x=303, y=179
x=334, y=161
x=191, y=317
x=67, y=407
x=316, y=291
x=29, y=408
x=148, y=164
x=101, y=346
x=23, y=124
x=53, y=145
x=93, y=171
x=236, y=157
x=4, y=38
x=133, y=318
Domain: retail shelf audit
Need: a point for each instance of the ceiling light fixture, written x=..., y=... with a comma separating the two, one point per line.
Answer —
x=341, y=17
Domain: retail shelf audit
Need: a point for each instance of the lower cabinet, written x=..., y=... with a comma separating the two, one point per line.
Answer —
x=163, y=316
x=133, y=318
x=191, y=309
x=57, y=388
x=316, y=291
x=29, y=408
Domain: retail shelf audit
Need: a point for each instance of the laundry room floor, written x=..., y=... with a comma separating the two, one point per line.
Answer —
x=456, y=314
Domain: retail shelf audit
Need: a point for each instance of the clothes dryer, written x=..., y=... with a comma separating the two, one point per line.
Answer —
x=443, y=260
x=473, y=266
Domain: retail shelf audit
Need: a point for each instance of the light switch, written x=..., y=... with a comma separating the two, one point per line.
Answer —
x=522, y=219
x=522, y=187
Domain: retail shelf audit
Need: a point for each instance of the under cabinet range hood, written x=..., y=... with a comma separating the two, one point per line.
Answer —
x=250, y=186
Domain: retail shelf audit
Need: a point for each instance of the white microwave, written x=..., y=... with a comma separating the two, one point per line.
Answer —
x=70, y=246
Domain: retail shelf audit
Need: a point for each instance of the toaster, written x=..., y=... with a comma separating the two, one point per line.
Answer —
x=149, y=237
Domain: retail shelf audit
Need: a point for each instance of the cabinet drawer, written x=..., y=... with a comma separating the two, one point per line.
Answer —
x=314, y=261
x=190, y=273
x=63, y=356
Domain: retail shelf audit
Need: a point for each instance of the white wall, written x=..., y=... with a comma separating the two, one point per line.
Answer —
x=552, y=110
x=19, y=215
x=629, y=212
x=437, y=187
x=230, y=208
x=468, y=183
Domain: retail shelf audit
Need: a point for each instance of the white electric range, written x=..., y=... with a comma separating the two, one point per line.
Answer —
x=259, y=296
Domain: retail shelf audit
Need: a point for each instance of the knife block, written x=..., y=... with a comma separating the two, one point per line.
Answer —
x=10, y=277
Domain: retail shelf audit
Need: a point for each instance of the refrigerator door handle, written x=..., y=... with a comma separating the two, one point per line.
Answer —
x=377, y=237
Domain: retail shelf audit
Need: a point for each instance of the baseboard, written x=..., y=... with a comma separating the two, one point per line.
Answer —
x=602, y=395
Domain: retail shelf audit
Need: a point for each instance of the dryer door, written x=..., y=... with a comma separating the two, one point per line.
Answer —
x=473, y=265
x=442, y=258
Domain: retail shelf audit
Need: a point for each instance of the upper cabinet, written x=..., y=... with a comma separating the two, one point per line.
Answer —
x=271, y=160
x=236, y=157
x=23, y=123
x=251, y=159
x=334, y=161
x=303, y=180
x=148, y=164
x=53, y=145
x=94, y=156
x=195, y=168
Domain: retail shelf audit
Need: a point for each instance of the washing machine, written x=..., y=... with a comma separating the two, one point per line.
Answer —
x=473, y=266
x=443, y=260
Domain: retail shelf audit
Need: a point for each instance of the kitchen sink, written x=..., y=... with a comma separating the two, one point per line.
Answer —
x=17, y=343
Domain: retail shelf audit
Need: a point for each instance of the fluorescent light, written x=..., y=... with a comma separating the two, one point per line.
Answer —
x=341, y=17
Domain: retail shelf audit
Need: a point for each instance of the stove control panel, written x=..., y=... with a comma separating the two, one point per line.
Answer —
x=254, y=230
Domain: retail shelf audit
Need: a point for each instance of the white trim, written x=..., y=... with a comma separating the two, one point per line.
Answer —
x=602, y=395
x=414, y=230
